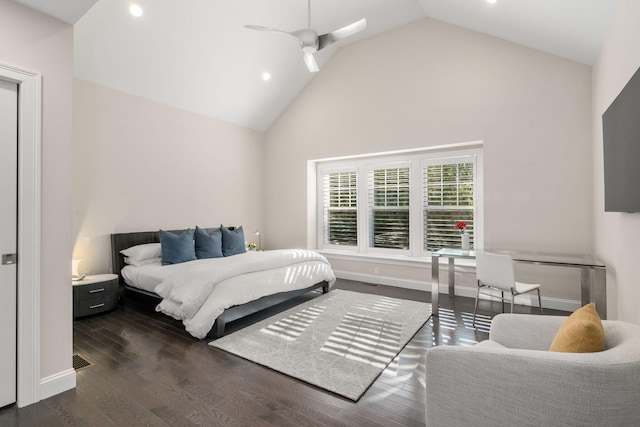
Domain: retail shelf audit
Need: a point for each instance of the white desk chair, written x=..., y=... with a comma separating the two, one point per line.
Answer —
x=495, y=272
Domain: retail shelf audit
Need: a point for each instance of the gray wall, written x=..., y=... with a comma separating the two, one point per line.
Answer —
x=616, y=234
x=36, y=42
x=140, y=165
x=429, y=83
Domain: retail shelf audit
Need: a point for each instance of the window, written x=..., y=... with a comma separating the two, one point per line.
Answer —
x=400, y=205
x=389, y=208
x=449, y=199
x=340, y=221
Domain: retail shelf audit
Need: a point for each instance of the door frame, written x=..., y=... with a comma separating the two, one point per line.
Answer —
x=29, y=230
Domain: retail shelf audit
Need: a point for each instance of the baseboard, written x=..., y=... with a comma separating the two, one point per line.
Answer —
x=384, y=280
x=57, y=383
x=463, y=291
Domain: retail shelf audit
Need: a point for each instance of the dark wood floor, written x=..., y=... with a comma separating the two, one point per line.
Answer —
x=147, y=371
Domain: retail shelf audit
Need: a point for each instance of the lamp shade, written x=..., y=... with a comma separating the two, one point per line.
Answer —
x=74, y=267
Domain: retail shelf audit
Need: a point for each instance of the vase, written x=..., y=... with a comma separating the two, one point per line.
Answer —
x=465, y=241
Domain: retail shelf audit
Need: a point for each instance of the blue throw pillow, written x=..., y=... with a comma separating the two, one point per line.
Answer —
x=232, y=240
x=208, y=242
x=177, y=247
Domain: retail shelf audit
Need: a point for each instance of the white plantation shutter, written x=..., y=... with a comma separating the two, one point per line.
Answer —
x=389, y=192
x=400, y=205
x=340, y=190
x=449, y=198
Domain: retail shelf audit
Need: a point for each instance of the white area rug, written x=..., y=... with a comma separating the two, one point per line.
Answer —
x=340, y=341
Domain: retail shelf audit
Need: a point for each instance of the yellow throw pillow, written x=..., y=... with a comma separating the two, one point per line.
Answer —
x=582, y=332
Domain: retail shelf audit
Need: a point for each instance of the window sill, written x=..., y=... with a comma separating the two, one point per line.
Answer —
x=401, y=260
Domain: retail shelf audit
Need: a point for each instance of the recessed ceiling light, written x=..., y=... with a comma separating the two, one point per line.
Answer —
x=135, y=10
x=266, y=76
x=491, y=1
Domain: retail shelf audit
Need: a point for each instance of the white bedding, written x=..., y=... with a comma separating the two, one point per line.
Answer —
x=197, y=292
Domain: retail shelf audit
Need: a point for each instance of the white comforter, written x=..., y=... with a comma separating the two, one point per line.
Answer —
x=197, y=292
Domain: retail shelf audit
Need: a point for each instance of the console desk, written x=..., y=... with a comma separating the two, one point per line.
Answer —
x=593, y=282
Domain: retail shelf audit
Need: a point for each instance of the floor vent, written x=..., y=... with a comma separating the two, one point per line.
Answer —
x=80, y=362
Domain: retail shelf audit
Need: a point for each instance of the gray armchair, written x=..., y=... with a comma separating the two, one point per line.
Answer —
x=512, y=380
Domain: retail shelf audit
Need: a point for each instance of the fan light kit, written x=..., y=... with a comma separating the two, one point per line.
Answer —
x=311, y=42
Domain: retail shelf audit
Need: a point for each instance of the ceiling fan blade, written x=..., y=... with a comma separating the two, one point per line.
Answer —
x=312, y=65
x=261, y=28
x=350, y=29
x=342, y=33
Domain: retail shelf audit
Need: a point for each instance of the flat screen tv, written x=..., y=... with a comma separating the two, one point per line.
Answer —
x=621, y=138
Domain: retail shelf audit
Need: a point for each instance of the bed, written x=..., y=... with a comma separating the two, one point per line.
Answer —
x=255, y=278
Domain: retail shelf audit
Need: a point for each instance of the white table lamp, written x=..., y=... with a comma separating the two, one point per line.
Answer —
x=74, y=270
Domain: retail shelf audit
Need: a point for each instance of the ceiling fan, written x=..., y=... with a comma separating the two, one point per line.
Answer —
x=311, y=42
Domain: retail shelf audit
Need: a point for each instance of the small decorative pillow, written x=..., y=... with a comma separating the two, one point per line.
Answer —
x=142, y=252
x=177, y=248
x=208, y=242
x=582, y=332
x=232, y=240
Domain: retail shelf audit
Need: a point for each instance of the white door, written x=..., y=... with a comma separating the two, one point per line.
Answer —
x=8, y=226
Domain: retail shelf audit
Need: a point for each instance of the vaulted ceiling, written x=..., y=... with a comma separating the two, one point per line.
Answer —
x=197, y=55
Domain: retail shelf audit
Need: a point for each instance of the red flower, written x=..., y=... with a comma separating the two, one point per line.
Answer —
x=461, y=225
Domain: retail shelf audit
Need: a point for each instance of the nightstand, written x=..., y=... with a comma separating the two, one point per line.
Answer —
x=95, y=294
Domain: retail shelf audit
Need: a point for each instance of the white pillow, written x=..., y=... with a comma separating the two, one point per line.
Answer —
x=142, y=252
x=139, y=262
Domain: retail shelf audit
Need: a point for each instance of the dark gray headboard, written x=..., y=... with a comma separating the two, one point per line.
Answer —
x=120, y=241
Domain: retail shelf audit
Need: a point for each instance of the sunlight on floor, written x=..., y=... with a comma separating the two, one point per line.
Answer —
x=447, y=327
x=379, y=305
x=483, y=322
x=364, y=339
x=402, y=372
x=290, y=328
